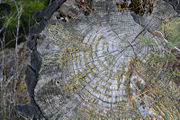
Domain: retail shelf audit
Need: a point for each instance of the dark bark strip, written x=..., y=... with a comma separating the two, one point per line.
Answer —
x=41, y=17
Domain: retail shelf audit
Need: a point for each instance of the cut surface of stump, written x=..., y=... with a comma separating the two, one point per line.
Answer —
x=88, y=68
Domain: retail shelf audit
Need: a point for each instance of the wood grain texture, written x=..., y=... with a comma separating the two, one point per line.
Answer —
x=87, y=70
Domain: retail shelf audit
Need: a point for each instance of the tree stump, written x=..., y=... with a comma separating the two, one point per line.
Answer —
x=89, y=63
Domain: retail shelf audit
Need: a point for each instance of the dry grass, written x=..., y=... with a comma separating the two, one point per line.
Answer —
x=12, y=85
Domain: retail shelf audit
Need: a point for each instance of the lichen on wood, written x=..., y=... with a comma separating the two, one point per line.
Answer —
x=92, y=71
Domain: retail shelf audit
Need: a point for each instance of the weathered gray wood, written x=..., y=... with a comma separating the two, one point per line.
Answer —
x=85, y=67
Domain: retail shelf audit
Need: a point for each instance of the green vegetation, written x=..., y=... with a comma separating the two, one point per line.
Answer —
x=171, y=38
x=29, y=7
x=147, y=41
x=162, y=69
x=13, y=90
x=172, y=33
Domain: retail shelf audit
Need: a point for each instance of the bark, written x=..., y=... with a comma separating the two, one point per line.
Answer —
x=86, y=61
